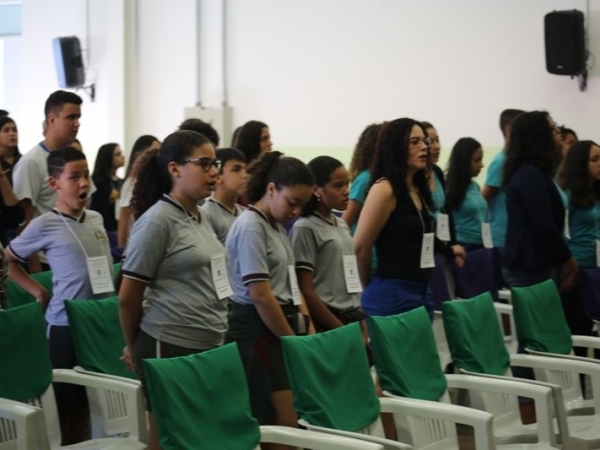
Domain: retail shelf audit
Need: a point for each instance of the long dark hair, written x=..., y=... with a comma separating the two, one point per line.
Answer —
x=532, y=142
x=391, y=159
x=248, y=139
x=3, y=121
x=103, y=166
x=364, y=151
x=321, y=169
x=153, y=179
x=141, y=144
x=574, y=175
x=274, y=167
x=458, y=177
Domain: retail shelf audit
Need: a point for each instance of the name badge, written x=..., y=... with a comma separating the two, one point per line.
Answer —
x=486, y=235
x=442, y=227
x=100, y=275
x=294, y=285
x=427, y=261
x=351, y=274
x=597, y=253
x=567, y=231
x=218, y=270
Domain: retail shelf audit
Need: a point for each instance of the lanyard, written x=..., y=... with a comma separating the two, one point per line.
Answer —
x=75, y=235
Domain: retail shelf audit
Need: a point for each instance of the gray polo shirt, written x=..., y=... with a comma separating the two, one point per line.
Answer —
x=222, y=218
x=258, y=251
x=320, y=247
x=70, y=278
x=171, y=252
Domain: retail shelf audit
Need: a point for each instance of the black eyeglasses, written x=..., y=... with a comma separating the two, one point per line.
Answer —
x=205, y=163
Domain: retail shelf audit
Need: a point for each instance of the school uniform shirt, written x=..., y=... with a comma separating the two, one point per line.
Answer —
x=469, y=216
x=584, y=228
x=259, y=251
x=497, y=215
x=320, y=247
x=30, y=180
x=222, y=218
x=54, y=233
x=171, y=251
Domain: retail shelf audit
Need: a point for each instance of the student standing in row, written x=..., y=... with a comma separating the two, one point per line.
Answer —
x=464, y=199
x=76, y=245
x=231, y=183
x=166, y=309
x=266, y=301
x=397, y=219
x=104, y=200
x=325, y=259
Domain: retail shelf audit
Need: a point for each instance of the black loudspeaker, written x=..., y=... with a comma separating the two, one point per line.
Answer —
x=565, y=42
x=69, y=64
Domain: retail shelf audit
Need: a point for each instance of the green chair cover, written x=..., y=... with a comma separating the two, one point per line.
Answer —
x=474, y=336
x=17, y=296
x=330, y=378
x=97, y=335
x=25, y=368
x=201, y=401
x=406, y=356
x=540, y=318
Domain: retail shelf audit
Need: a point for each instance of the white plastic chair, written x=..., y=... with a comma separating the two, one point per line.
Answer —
x=313, y=440
x=440, y=340
x=36, y=426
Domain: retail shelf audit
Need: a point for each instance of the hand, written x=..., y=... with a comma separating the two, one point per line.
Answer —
x=459, y=255
x=43, y=297
x=568, y=275
x=3, y=173
x=127, y=358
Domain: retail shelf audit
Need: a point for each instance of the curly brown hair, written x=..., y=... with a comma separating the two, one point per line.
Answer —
x=364, y=151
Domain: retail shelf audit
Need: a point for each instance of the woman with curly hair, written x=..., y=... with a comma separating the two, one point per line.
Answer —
x=535, y=248
x=579, y=176
x=397, y=219
x=360, y=174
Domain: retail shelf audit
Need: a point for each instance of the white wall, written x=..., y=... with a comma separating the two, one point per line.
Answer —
x=317, y=71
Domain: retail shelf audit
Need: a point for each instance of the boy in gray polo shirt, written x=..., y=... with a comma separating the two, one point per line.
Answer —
x=222, y=206
x=74, y=240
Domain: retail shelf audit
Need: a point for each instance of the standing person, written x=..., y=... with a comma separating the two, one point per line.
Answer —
x=76, y=245
x=325, y=259
x=464, y=199
x=253, y=140
x=266, y=301
x=204, y=128
x=222, y=205
x=11, y=212
x=535, y=248
x=567, y=138
x=167, y=310
x=397, y=219
x=124, y=215
x=109, y=159
x=62, y=111
x=579, y=176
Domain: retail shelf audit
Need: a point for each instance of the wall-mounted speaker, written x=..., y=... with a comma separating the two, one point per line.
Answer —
x=69, y=63
x=565, y=42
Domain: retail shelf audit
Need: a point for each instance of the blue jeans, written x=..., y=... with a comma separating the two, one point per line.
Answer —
x=391, y=296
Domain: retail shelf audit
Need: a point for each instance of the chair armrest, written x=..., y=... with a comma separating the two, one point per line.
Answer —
x=310, y=439
x=560, y=356
x=30, y=425
x=541, y=395
x=504, y=294
x=80, y=369
x=136, y=415
x=481, y=421
x=386, y=443
x=586, y=341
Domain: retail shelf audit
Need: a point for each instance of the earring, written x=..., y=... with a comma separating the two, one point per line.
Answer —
x=318, y=198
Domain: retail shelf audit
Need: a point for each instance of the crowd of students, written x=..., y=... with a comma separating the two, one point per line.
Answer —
x=361, y=241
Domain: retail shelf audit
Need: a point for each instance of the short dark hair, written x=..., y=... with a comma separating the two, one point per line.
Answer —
x=57, y=99
x=564, y=131
x=3, y=112
x=58, y=159
x=199, y=126
x=321, y=169
x=507, y=117
x=229, y=154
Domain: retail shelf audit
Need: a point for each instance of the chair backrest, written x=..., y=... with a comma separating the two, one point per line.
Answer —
x=330, y=379
x=201, y=401
x=590, y=292
x=17, y=296
x=540, y=319
x=97, y=335
x=406, y=356
x=439, y=284
x=25, y=367
x=474, y=335
x=476, y=276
